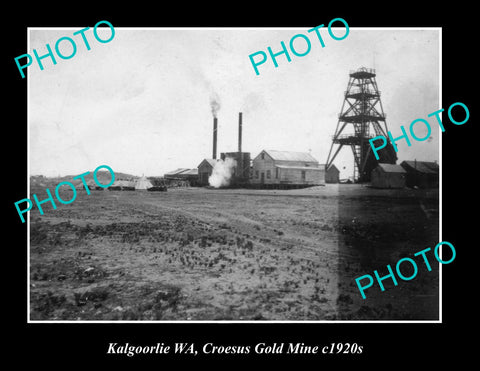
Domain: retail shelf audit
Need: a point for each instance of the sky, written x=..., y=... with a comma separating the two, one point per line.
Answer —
x=141, y=103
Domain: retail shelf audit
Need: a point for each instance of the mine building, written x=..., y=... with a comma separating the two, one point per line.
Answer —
x=205, y=169
x=183, y=174
x=286, y=169
x=388, y=176
x=190, y=175
x=332, y=175
x=241, y=170
x=421, y=174
x=175, y=174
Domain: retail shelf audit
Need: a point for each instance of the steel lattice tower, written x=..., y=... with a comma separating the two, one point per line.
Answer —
x=362, y=111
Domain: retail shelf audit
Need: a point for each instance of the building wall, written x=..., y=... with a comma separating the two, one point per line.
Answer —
x=381, y=179
x=332, y=175
x=261, y=167
x=418, y=178
x=204, y=172
x=421, y=180
x=277, y=175
x=297, y=176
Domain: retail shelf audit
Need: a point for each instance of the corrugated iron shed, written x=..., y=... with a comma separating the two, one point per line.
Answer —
x=390, y=168
x=313, y=168
x=423, y=166
x=290, y=156
x=176, y=172
x=190, y=172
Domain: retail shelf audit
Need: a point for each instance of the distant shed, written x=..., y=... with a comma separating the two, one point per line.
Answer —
x=205, y=169
x=175, y=174
x=388, y=176
x=286, y=169
x=421, y=174
x=332, y=174
x=190, y=175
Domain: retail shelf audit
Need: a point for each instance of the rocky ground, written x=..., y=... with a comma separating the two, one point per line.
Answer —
x=205, y=254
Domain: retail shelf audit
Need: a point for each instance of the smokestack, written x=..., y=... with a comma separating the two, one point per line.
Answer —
x=239, y=132
x=214, y=155
x=240, y=162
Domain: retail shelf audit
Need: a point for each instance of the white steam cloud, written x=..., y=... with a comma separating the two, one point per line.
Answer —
x=222, y=173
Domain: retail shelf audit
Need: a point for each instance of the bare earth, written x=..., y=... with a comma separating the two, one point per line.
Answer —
x=232, y=254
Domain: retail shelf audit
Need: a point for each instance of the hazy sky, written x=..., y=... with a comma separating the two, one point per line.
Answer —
x=141, y=103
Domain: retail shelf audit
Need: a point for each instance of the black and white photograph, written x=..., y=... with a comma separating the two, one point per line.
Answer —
x=234, y=196
x=203, y=183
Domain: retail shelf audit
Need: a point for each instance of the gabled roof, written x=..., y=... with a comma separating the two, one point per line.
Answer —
x=332, y=167
x=391, y=168
x=210, y=161
x=190, y=172
x=177, y=171
x=290, y=156
x=310, y=168
x=422, y=166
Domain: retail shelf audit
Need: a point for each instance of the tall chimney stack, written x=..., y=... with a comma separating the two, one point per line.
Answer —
x=239, y=159
x=239, y=132
x=214, y=155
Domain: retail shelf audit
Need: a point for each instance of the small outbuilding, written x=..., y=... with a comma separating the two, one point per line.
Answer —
x=332, y=175
x=205, y=169
x=388, y=176
x=175, y=174
x=421, y=174
x=191, y=176
x=183, y=174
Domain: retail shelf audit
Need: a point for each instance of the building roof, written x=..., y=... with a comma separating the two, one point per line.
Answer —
x=181, y=172
x=333, y=167
x=422, y=166
x=190, y=172
x=176, y=171
x=210, y=161
x=312, y=168
x=390, y=168
x=290, y=156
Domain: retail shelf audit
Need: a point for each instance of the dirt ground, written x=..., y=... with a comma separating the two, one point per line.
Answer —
x=232, y=254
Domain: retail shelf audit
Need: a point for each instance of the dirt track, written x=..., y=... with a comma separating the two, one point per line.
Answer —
x=199, y=254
